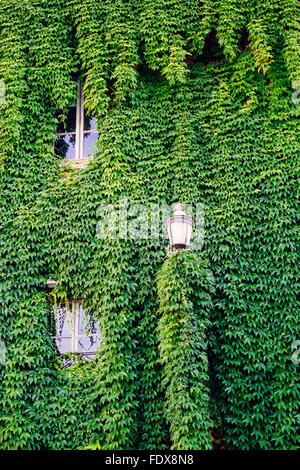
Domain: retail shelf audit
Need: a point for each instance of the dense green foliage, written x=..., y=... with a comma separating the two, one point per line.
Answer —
x=184, y=287
x=194, y=103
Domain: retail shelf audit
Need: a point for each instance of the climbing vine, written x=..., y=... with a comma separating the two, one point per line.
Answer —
x=184, y=287
x=193, y=101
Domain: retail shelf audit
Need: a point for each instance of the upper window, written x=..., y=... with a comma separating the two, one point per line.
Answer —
x=77, y=136
x=73, y=330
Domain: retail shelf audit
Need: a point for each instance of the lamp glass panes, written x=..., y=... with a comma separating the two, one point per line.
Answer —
x=179, y=226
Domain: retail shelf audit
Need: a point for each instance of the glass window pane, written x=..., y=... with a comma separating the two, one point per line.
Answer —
x=89, y=122
x=64, y=345
x=88, y=344
x=88, y=326
x=89, y=143
x=60, y=324
x=87, y=323
x=69, y=125
x=65, y=146
x=63, y=321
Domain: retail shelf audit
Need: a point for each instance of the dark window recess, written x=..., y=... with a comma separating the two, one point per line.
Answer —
x=69, y=124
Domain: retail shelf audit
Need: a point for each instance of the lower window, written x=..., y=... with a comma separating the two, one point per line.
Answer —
x=73, y=330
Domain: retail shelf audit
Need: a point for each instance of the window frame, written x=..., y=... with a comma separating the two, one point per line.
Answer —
x=79, y=128
x=75, y=336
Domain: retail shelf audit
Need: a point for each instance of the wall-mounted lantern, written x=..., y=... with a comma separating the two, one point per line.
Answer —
x=179, y=227
x=51, y=283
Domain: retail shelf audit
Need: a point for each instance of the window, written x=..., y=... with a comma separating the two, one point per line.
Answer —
x=77, y=136
x=74, y=331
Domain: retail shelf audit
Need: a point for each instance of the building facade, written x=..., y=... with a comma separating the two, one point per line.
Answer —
x=110, y=113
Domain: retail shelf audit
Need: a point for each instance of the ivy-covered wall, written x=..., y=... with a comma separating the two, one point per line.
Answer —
x=194, y=104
